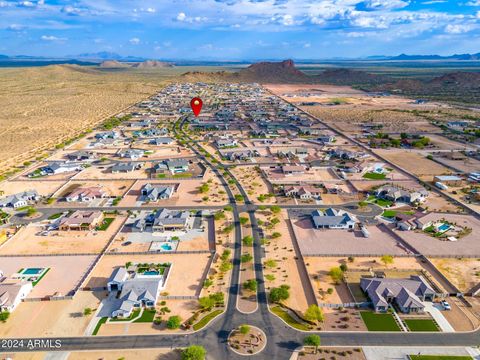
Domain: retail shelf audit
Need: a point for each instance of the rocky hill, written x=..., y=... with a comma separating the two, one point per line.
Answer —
x=148, y=64
x=284, y=71
x=113, y=64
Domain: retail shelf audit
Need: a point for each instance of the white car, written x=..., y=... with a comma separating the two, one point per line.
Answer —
x=446, y=305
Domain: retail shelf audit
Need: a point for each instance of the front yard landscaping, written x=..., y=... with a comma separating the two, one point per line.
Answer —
x=379, y=322
x=374, y=176
x=206, y=319
x=421, y=325
x=285, y=316
x=105, y=224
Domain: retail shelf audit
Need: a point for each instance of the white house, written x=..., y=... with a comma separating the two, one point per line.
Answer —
x=12, y=292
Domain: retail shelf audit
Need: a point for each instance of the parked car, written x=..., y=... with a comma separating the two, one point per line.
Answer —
x=445, y=305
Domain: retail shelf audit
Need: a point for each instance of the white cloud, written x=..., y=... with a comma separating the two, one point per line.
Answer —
x=151, y=10
x=52, y=38
x=16, y=27
x=181, y=16
x=385, y=4
x=457, y=28
x=478, y=14
x=473, y=3
x=134, y=41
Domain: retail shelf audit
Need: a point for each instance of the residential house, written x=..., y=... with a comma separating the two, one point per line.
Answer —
x=132, y=154
x=226, y=143
x=326, y=139
x=136, y=290
x=157, y=192
x=303, y=192
x=125, y=167
x=396, y=194
x=333, y=219
x=407, y=294
x=450, y=180
x=81, y=220
x=56, y=168
x=20, y=199
x=292, y=169
x=107, y=135
x=81, y=155
x=176, y=166
x=161, y=141
x=165, y=220
x=86, y=194
x=12, y=292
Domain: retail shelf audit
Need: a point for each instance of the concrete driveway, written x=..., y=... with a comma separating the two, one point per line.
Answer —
x=434, y=309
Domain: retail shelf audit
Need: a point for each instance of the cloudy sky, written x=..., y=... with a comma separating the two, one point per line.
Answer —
x=239, y=29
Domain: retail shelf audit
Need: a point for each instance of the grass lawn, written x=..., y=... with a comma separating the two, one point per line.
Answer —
x=374, y=176
x=379, y=322
x=277, y=310
x=206, y=319
x=439, y=357
x=55, y=216
x=182, y=175
x=389, y=213
x=383, y=203
x=102, y=321
x=147, y=316
x=421, y=325
x=105, y=224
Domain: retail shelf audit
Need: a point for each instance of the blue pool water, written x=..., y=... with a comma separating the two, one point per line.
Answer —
x=166, y=247
x=152, y=272
x=444, y=227
x=32, y=271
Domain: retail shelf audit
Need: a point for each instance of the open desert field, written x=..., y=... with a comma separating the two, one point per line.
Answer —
x=253, y=183
x=463, y=273
x=414, y=163
x=51, y=318
x=149, y=354
x=42, y=107
x=44, y=188
x=288, y=267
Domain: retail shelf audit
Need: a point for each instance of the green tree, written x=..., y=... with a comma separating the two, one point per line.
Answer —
x=206, y=302
x=336, y=274
x=203, y=188
x=87, y=311
x=312, y=340
x=246, y=258
x=275, y=209
x=194, y=352
x=343, y=267
x=174, y=322
x=219, y=215
x=243, y=220
x=387, y=259
x=4, y=316
x=279, y=294
x=250, y=284
x=314, y=313
x=247, y=240
x=276, y=235
x=244, y=329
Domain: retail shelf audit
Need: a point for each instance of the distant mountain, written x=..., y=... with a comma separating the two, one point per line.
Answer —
x=4, y=57
x=284, y=71
x=152, y=64
x=435, y=57
x=113, y=64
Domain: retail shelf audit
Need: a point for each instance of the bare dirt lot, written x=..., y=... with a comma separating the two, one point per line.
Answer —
x=44, y=188
x=44, y=106
x=64, y=274
x=463, y=273
x=51, y=318
x=29, y=241
x=414, y=163
x=253, y=183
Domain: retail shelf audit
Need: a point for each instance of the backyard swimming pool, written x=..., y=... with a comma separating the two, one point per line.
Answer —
x=32, y=271
x=444, y=227
x=151, y=272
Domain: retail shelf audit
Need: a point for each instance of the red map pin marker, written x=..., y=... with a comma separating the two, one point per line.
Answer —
x=196, y=105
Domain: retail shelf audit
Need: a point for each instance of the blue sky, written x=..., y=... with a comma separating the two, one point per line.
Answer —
x=239, y=29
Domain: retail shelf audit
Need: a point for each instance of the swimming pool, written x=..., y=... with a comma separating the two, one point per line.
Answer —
x=151, y=272
x=444, y=227
x=32, y=271
x=166, y=247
